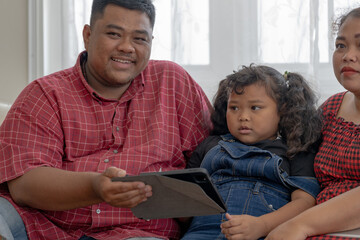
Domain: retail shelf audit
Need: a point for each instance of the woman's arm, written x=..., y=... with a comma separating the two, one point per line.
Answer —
x=337, y=214
x=241, y=226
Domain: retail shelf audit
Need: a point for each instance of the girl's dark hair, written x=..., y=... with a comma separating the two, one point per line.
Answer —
x=340, y=21
x=145, y=6
x=300, y=121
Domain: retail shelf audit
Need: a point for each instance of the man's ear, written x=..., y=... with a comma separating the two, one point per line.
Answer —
x=86, y=35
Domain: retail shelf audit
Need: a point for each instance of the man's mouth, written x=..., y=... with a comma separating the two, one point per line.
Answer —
x=122, y=61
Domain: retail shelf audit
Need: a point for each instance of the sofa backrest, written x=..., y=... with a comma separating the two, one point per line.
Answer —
x=4, y=108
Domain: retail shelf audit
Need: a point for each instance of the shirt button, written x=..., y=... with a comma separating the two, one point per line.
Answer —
x=115, y=151
x=106, y=160
x=98, y=211
x=117, y=129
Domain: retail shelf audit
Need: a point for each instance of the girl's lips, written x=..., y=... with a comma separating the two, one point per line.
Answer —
x=244, y=130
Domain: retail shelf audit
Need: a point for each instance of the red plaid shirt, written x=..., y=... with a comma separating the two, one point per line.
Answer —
x=60, y=122
x=337, y=164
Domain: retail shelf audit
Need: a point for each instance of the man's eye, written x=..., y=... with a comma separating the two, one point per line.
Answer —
x=113, y=34
x=255, y=107
x=141, y=40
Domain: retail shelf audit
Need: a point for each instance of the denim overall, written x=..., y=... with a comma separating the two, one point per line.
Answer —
x=250, y=182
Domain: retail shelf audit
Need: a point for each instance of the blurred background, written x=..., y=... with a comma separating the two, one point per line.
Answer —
x=209, y=38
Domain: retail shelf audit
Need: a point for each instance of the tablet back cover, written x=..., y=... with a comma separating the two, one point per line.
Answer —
x=173, y=198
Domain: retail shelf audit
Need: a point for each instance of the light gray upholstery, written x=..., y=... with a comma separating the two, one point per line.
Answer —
x=4, y=108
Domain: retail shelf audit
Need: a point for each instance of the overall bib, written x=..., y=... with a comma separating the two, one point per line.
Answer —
x=250, y=181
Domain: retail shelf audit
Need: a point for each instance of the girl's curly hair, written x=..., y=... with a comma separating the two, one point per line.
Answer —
x=300, y=121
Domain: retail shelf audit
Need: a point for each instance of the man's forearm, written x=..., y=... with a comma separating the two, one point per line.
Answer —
x=54, y=189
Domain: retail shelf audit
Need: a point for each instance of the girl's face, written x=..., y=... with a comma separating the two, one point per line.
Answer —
x=252, y=116
x=346, y=57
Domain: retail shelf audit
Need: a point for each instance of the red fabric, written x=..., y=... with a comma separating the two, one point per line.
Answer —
x=58, y=121
x=337, y=164
x=329, y=237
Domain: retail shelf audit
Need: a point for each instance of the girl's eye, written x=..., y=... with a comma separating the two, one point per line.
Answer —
x=255, y=108
x=233, y=108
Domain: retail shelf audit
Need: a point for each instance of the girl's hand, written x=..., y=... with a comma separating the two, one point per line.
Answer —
x=244, y=227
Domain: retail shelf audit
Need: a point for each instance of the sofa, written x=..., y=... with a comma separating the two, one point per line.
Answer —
x=4, y=108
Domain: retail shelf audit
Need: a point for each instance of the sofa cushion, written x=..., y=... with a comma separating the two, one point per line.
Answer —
x=4, y=108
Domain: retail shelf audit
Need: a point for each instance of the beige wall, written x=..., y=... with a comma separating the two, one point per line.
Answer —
x=13, y=48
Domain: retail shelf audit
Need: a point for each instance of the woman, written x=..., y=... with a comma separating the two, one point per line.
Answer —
x=337, y=164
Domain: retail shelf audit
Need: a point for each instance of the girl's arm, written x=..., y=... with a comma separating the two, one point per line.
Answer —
x=337, y=214
x=249, y=227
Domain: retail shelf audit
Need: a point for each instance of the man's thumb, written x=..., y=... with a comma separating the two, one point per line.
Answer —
x=114, y=172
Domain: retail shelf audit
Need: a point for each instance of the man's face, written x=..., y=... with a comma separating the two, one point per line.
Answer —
x=119, y=47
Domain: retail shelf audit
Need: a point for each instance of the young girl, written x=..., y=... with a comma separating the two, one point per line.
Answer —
x=337, y=165
x=260, y=154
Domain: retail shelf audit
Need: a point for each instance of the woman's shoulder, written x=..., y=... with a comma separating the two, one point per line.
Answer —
x=333, y=103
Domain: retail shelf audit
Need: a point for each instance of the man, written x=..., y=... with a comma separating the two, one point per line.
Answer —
x=114, y=113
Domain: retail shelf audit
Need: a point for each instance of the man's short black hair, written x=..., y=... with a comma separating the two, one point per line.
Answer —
x=145, y=6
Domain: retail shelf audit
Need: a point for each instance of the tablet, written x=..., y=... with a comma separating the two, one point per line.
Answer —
x=200, y=176
x=178, y=193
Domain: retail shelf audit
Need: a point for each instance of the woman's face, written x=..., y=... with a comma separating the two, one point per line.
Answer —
x=346, y=56
x=252, y=116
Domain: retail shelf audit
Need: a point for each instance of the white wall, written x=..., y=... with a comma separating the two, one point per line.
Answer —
x=13, y=48
x=14, y=55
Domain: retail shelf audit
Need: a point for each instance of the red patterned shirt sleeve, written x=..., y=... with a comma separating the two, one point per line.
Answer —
x=59, y=121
